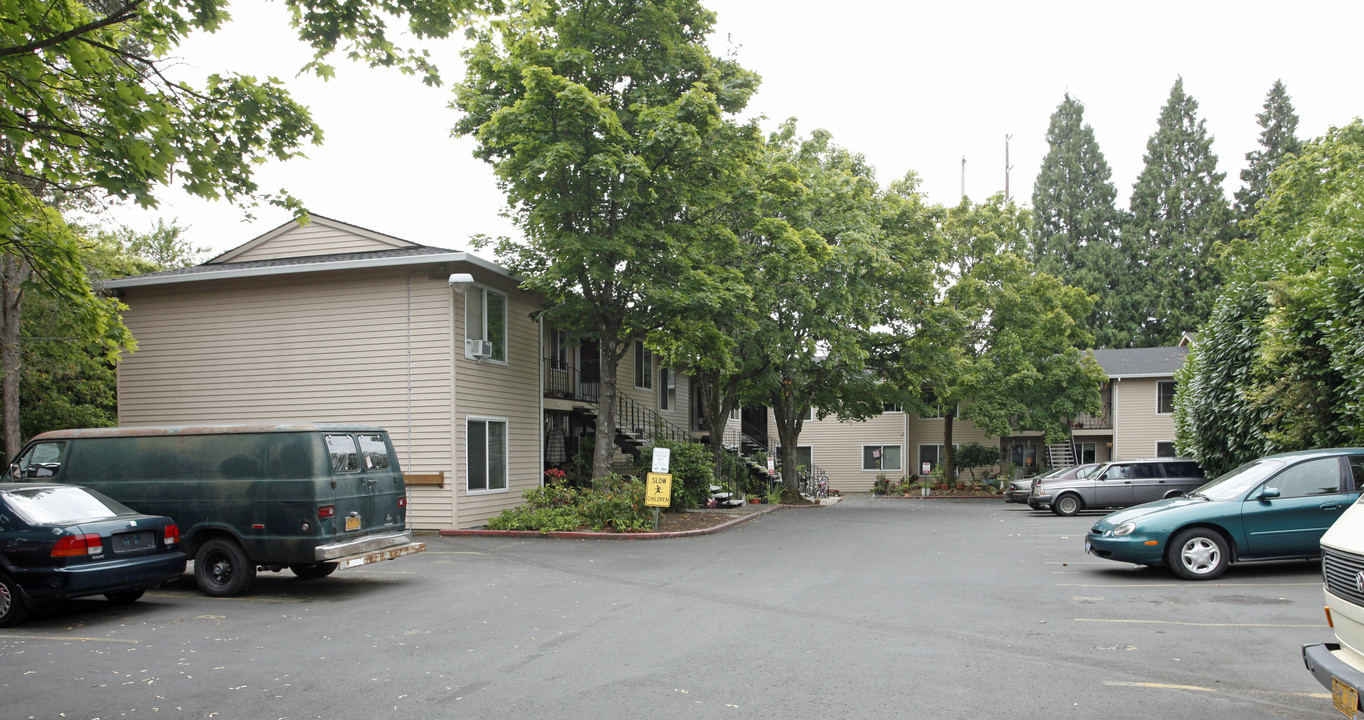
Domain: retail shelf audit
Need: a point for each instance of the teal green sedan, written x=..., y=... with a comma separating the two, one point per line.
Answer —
x=1273, y=508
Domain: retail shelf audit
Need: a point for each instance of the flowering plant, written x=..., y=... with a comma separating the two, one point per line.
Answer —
x=555, y=474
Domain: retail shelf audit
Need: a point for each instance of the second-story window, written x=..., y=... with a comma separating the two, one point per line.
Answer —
x=485, y=324
x=644, y=367
x=1165, y=397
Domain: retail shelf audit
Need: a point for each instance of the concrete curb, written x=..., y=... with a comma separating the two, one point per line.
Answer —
x=739, y=520
x=937, y=497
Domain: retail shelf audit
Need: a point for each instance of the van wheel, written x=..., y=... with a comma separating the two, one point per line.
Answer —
x=1198, y=554
x=123, y=597
x=221, y=569
x=313, y=571
x=12, y=609
x=1066, y=505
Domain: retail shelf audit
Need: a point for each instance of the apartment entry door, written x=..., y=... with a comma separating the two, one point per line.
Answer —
x=1023, y=453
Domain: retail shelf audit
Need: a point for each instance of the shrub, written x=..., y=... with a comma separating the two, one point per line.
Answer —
x=618, y=506
x=693, y=471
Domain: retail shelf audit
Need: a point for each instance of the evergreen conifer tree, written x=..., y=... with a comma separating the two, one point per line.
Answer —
x=1076, y=220
x=1277, y=139
x=1179, y=215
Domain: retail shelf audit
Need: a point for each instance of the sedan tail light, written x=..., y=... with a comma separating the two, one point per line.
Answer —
x=78, y=546
x=172, y=535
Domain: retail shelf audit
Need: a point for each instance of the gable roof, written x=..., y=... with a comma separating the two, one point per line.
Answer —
x=1141, y=362
x=399, y=252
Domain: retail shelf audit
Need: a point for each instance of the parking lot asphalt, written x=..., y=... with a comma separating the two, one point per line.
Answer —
x=871, y=608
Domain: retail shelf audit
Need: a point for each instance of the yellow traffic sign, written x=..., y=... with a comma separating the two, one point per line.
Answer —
x=658, y=490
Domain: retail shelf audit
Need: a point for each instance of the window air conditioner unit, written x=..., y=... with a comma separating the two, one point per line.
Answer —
x=481, y=348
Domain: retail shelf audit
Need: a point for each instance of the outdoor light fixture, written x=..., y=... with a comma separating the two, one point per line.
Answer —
x=461, y=281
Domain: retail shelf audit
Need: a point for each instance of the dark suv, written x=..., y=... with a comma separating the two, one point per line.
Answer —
x=1119, y=484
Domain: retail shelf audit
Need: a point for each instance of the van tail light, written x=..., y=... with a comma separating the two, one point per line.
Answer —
x=326, y=511
x=172, y=535
x=78, y=546
x=402, y=502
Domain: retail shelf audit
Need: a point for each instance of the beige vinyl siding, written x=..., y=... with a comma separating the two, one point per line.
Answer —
x=317, y=238
x=1137, y=426
x=344, y=347
x=836, y=447
x=508, y=391
x=929, y=431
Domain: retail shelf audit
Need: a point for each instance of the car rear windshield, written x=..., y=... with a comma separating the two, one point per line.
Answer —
x=62, y=505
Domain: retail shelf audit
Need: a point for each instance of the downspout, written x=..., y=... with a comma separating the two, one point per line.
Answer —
x=540, y=329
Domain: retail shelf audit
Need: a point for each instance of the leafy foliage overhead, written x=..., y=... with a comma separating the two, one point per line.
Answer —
x=1276, y=368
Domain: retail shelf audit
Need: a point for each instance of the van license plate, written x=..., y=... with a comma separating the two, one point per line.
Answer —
x=352, y=522
x=1344, y=697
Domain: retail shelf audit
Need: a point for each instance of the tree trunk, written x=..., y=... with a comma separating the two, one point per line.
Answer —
x=604, y=447
x=13, y=272
x=949, y=452
x=788, y=434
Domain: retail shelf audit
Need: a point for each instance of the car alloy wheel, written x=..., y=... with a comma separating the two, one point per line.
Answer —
x=1198, y=554
x=1066, y=505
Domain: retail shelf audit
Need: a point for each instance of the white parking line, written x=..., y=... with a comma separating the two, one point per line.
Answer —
x=1169, y=686
x=1200, y=624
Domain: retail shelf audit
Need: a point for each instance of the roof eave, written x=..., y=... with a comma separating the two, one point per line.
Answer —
x=238, y=273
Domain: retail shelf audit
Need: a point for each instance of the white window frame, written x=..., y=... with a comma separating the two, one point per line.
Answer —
x=479, y=294
x=1092, y=448
x=863, y=457
x=1173, y=451
x=487, y=455
x=644, y=357
x=892, y=409
x=1160, y=385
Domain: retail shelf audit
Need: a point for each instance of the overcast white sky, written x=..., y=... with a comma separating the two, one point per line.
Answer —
x=912, y=86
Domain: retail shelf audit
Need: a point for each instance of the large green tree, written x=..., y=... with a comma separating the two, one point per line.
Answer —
x=65, y=380
x=607, y=126
x=88, y=115
x=1076, y=221
x=1278, y=139
x=1000, y=344
x=1179, y=219
x=1277, y=367
x=845, y=259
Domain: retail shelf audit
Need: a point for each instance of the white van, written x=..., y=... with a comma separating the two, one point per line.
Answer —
x=1339, y=666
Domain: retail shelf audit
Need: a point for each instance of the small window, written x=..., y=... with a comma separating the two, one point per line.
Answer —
x=1357, y=469
x=1314, y=477
x=881, y=457
x=1165, y=400
x=930, y=455
x=486, y=446
x=809, y=415
x=1182, y=469
x=485, y=320
x=1165, y=449
x=375, y=451
x=644, y=367
x=343, y=455
x=41, y=461
x=892, y=408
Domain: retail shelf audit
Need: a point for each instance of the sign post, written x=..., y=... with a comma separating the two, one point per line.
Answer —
x=658, y=485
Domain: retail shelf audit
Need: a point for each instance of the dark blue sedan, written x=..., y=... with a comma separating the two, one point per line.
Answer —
x=66, y=541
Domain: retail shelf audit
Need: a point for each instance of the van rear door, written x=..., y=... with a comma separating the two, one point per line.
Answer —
x=366, y=492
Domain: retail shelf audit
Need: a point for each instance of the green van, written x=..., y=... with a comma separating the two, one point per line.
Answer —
x=309, y=497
